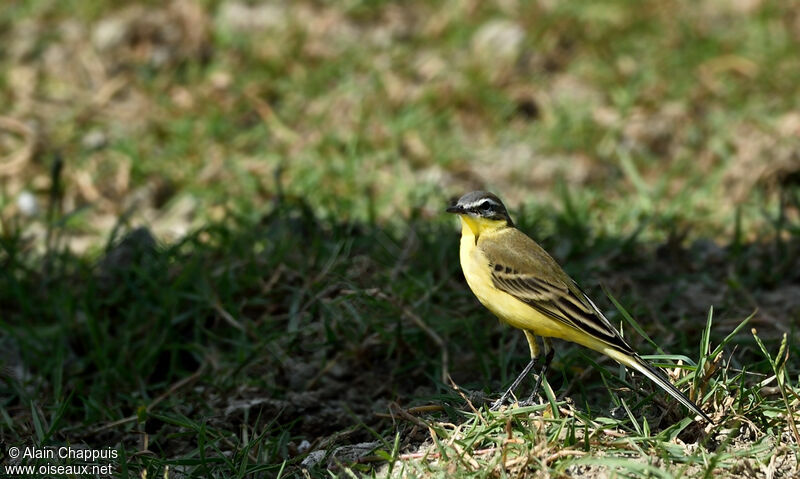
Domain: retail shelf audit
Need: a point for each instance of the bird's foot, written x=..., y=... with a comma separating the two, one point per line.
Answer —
x=531, y=401
x=497, y=404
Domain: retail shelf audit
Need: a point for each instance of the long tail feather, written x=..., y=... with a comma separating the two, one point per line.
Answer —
x=657, y=377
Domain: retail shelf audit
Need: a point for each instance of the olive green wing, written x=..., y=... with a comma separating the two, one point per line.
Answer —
x=521, y=268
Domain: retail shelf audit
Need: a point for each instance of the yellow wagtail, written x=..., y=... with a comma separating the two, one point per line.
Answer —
x=524, y=287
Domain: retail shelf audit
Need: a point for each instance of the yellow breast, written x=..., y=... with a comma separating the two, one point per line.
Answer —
x=507, y=308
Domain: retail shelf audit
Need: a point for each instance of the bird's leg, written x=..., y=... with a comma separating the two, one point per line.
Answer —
x=548, y=357
x=534, y=347
x=496, y=405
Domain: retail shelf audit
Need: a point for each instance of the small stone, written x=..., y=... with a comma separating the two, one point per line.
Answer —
x=498, y=42
x=304, y=446
x=354, y=452
x=94, y=140
x=241, y=17
x=221, y=80
x=109, y=33
x=313, y=458
x=27, y=203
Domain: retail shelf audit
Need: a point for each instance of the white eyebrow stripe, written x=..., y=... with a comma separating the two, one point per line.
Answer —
x=480, y=202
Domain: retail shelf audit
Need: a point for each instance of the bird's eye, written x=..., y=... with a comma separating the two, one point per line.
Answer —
x=486, y=206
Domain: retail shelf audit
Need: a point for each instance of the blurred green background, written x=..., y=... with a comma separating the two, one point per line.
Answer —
x=287, y=165
x=184, y=111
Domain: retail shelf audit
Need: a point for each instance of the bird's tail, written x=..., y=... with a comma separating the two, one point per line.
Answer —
x=639, y=364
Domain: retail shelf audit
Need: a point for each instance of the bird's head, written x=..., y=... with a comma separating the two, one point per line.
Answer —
x=481, y=211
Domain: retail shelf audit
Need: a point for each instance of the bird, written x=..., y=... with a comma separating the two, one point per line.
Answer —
x=518, y=281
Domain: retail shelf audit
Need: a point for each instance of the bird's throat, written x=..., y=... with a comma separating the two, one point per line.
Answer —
x=470, y=227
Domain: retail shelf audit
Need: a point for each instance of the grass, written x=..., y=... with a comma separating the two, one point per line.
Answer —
x=242, y=269
x=222, y=353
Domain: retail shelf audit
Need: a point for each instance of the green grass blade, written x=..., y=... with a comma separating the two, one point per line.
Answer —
x=632, y=322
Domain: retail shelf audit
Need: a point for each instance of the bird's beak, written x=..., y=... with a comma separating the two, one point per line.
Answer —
x=454, y=209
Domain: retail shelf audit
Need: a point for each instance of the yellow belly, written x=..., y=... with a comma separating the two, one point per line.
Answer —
x=506, y=307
